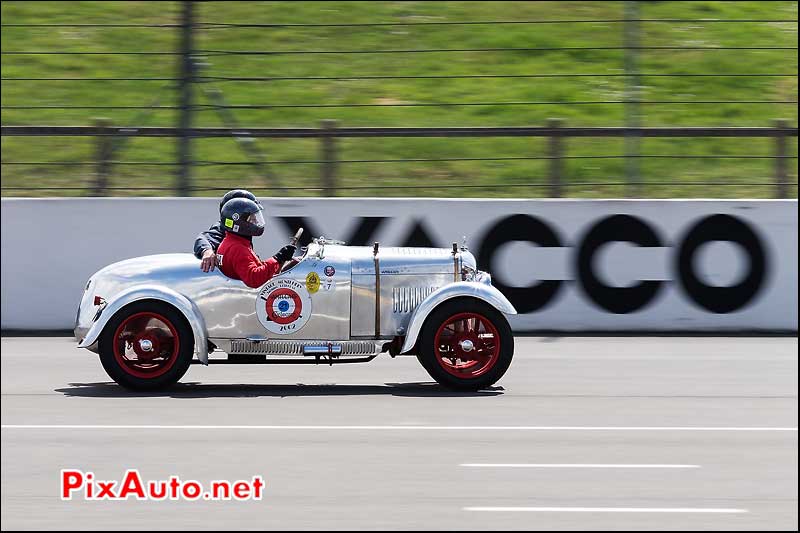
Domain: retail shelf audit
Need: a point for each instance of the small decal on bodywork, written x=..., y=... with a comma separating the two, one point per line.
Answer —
x=312, y=282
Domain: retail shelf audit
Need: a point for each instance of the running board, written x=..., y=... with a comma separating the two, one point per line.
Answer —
x=300, y=348
x=263, y=360
x=257, y=350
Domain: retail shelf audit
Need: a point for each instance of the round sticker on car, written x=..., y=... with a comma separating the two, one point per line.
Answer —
x=283, y=306
x=312, y=282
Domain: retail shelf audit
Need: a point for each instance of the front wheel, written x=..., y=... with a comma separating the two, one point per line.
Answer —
x=147, y=345
x=466, y=345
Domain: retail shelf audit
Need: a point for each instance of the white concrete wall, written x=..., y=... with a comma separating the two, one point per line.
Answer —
x=50, y=247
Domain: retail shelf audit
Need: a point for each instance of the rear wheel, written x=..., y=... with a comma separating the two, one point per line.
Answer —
x=147, y=345
x=466, y=344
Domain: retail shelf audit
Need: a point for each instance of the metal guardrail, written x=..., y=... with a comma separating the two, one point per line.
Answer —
x=781, y=129
x=329, y=132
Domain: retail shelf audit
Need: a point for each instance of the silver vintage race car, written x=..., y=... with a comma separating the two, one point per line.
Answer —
x=149, y=318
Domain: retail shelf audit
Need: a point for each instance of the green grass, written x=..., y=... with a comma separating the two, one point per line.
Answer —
x=673, y=176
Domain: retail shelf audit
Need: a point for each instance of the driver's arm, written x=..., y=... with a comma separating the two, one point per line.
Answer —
x=208, y=240
x=254, y=272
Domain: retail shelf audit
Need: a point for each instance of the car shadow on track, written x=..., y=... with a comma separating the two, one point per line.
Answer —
x=110, y=389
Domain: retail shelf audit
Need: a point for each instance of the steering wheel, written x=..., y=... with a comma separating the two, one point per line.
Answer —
x=286, y=265
x=289, y=264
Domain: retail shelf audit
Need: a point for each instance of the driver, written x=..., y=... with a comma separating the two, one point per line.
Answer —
x=243, y=219
x=206, y=244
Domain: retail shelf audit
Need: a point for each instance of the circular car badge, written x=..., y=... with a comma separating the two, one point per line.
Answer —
x=283, y=306
x=312, y=282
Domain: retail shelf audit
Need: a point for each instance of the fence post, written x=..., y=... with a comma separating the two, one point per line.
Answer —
x=186, y=77
x=556, y=148
x=632, y=109
x=329, y=157
x=781, y=151
x=104, y=146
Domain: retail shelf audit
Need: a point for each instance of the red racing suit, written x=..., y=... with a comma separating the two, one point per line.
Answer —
x=237, y=260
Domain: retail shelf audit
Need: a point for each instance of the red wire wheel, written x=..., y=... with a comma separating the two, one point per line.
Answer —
x=467, y=345
x=146, y=345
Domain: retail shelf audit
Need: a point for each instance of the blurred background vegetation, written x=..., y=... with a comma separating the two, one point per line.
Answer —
x=597, y=41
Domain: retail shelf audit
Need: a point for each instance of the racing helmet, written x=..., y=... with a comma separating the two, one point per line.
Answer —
x=236, y=193
x=242, y=216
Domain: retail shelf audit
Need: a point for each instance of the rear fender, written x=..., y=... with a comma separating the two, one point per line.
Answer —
x=153, y=292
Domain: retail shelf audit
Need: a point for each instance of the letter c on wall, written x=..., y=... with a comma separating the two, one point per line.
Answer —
x=616, y=228
x=520, y=228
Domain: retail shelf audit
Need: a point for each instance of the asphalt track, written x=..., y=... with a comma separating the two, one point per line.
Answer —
x=593, y=433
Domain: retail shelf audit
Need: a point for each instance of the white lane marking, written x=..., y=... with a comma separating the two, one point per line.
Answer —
x=682, y=358
x=604, y=510
x=568, y=465
x=393, y=428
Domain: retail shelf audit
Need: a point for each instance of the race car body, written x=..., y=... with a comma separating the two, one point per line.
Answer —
x=149, y=317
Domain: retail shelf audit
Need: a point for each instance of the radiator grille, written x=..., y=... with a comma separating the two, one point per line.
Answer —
x=406, y=299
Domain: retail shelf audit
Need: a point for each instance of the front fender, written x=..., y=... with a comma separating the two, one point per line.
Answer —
x=471, y=289
x=154, y=292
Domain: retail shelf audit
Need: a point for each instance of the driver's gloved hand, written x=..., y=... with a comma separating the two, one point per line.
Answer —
x=285, y=253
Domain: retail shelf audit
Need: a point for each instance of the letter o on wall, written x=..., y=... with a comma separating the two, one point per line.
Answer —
x=722, y=299
x=520, y=228
x=616, y=228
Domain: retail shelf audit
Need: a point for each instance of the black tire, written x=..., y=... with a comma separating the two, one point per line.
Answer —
x=427, y=348
x=120, y=373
